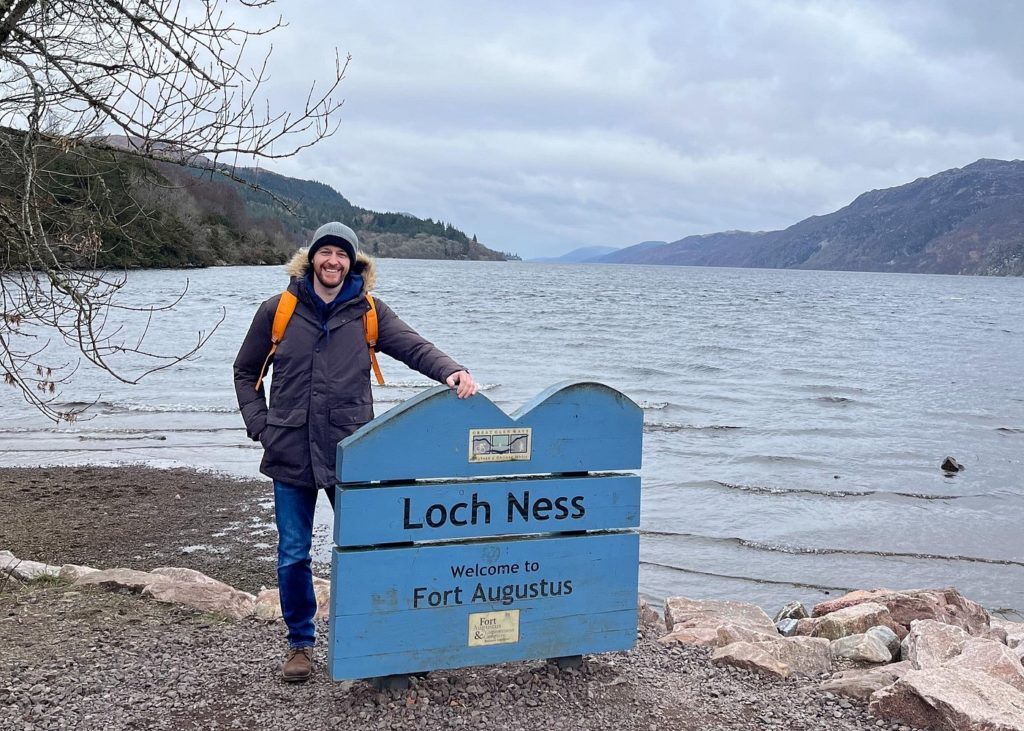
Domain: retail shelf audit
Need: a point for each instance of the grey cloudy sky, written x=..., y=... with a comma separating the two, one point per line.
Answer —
x=542, y=127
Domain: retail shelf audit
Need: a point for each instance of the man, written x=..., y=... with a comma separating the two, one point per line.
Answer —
x=320, y=394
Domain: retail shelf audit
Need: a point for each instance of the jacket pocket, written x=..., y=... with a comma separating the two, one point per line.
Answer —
x=285, y=443
x=286, y=417
x=351, y=415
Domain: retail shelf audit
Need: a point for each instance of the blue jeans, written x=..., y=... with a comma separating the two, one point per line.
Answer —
x=293, y=512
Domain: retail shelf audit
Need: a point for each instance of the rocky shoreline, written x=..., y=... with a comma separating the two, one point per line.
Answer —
x=78, y=656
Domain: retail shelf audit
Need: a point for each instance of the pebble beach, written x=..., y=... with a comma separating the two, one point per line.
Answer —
x=76, y=658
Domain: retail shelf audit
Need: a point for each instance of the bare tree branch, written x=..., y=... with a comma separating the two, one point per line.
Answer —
x=96, y=95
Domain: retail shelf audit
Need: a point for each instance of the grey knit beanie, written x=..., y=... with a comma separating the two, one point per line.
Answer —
x=335, y=234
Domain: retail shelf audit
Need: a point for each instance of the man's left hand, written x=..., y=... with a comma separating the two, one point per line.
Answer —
x=463, y=383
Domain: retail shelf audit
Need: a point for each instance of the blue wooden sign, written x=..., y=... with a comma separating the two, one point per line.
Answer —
x=528, y=548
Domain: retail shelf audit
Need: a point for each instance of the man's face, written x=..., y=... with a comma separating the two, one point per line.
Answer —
x=330, y=265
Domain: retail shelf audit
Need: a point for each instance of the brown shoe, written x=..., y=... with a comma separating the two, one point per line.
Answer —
x=298, y=665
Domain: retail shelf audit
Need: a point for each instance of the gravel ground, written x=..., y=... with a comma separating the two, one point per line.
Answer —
x=95, y=660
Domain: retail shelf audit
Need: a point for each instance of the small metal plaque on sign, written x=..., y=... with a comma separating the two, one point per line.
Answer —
x=494, y=628
x=500, y=445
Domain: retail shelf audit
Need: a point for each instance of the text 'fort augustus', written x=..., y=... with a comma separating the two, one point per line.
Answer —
x=518, y=508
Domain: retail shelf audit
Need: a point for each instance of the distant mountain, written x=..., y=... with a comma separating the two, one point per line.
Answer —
x=966, y=220
x=625, y=255
x=586, y=253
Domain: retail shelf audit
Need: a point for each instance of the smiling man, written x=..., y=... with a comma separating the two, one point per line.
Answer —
x=320, y=394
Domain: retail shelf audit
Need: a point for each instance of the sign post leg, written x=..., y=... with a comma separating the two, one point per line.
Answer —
x=390, y=682
x=569, y=662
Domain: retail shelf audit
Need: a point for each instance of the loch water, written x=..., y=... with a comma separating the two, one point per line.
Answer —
x=794, y=421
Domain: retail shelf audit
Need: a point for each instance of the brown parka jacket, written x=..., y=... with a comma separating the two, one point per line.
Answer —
x=320, y=387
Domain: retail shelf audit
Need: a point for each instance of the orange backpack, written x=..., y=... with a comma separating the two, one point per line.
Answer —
x=285, y=309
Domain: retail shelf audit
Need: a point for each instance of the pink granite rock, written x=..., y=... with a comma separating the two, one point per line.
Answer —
x=860, y=683
x=714, y=623
x=322, y=590
x=848, y=600
x=992, y=658
x=187, y=575
x=268, y=602
x=687, y=612
x=729, y=633
x=853, y=620
x=216, y=598
x=804, y=655
x=73, y=572
x=118, y=579
x=1014, y=631
x=750, y=656
x=806, y=627
x=943, y=605
x=950, y=699
x=930, y=644
x=646, y=615
x=861, y=648
x=698, y=636
x=268, y=606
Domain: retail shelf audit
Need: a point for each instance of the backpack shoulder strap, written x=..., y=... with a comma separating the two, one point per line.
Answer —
x=285, y=310
x=370, y=331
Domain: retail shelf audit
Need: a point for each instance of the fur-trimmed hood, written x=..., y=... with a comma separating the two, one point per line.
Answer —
x=364, y=266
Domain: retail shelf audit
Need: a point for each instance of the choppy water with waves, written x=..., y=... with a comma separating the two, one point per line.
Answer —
x=794, y=421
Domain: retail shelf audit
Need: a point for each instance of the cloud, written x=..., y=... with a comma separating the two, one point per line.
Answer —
x=542, y=127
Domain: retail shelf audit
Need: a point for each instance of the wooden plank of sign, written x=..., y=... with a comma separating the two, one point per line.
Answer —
x=574, y=427
x=403, y=610
x=445, y=511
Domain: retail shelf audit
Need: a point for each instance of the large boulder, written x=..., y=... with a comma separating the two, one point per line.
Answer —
x=121, y=579
x=805, y=627
x=682, y=611
x=787, y=627
x=714, y=623
x=861, y=648
x=805, y=655
x=73, y=572
x=950, y=699
x=992, y=658
x=322, y=590
x=185, y=575
x=779, y=657
x=943, y=605
x=699, y=636
x=848, y=600
x=860, y=683
x=793, y=610
x=645, y=615
x=5, y=558
x=853, y=620
x=729, y=633
x=268, y=606
x=1014, y=631
x=930, y=644
x=887, y=637
x=751, y=656
x=25, y=570
x=214, y=597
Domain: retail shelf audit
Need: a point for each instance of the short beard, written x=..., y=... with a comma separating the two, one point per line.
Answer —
x=325, y=285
